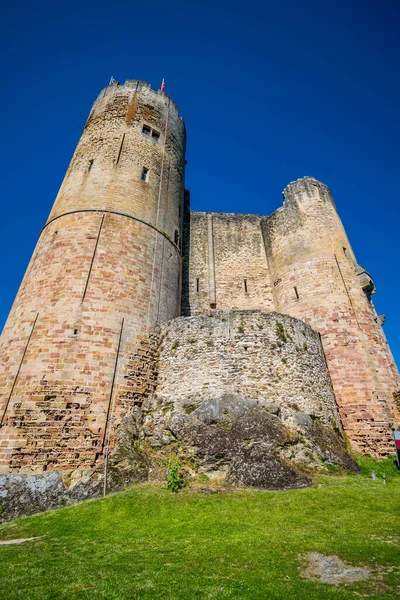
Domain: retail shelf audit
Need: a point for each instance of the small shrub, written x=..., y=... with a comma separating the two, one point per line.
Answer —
x=203, y=478
x=305, y=347
x=175, y=345
x=241, y=329
x=174, y=476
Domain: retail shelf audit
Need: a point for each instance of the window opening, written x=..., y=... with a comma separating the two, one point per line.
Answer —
x=176, y=237
x=197, y=285
x=245, y=285
x=145, y=174
x=75, y=331
x=153, y=133
x=90, y=165
x=296, y=292
x=344, y=251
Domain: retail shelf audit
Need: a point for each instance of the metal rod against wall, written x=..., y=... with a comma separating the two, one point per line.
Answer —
x=93, y=257
x=347, y=292
x=19, y=369
x=110, y=408
x=161, y=280
x=120, y=148
x=157, y=214
x=211, y=261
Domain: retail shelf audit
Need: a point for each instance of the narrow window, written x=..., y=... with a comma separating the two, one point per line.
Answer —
x=90, y=165
x=197, y=285
x=155, y=135
x=344, y=251
x=296, y=292
x=145, y=174
x=245, y=285
x=146, y=130
x=75, y=331
x=180, y=211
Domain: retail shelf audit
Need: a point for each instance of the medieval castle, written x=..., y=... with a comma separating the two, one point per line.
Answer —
x=276, y=312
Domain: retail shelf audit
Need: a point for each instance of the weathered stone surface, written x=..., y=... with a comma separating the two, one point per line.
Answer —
x=28, y=494
x=270, y=358
x=331, y=569
x=241, y=447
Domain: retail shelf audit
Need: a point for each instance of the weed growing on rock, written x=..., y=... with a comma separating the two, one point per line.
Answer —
x=280, y=331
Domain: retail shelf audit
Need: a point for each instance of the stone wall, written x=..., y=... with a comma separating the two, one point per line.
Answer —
x=226, y=264
x=268, y=357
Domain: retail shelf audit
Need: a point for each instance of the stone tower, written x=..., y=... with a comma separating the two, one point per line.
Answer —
x=106, y=267
x=315, y=277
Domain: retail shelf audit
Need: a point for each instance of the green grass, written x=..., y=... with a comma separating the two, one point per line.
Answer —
x=148, y=543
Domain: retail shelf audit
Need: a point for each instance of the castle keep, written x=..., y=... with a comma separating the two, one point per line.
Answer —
x=273, y=310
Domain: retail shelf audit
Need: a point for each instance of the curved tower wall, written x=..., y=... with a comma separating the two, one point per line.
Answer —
x=107, y=265
x=315, y=277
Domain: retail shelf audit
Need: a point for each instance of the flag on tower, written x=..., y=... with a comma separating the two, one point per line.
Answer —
x=163, y=85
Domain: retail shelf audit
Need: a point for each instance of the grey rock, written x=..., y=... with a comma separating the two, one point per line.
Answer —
x=228, y=406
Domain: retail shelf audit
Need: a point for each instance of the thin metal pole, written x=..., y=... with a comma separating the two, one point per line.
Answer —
x=19, y=368
x=110, y=407
x=93, y=257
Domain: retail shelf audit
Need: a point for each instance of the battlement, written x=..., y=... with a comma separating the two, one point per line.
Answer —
x=139, y=86
x=305, y=187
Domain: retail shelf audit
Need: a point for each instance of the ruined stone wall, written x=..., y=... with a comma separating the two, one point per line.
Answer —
x=271, y=358
x=315, y=278
x=225, y=264
x=107, y=265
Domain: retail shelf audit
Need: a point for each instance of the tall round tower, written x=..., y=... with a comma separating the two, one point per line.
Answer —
x=106, y=267
x=315, y=277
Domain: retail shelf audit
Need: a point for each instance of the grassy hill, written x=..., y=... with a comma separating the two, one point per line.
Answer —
x=148, y=543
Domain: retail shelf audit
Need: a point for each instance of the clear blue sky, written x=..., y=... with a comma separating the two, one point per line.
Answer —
x=270, y=91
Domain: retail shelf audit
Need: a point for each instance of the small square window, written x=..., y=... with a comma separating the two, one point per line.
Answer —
x=155, y=135
x=145, y=174
x=146, y=130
